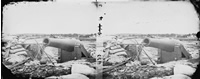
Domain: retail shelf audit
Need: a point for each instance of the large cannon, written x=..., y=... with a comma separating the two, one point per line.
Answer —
x=163, y=44
x=168, y=49
x=68, y=49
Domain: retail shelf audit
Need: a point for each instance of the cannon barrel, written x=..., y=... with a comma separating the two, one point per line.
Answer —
x=163, y=44
x=64, y=44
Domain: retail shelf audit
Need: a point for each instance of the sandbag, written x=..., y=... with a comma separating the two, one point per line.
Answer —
x=177, y=76
x=82, y=69
x=74, y=76
x=184, y=69
x=16, y=47
x=70, y=76
x=15, y=58
x=17, y=50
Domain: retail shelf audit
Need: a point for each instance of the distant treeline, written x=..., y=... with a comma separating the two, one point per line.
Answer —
x=74, y=35
x=157, y=35
x=83, y=36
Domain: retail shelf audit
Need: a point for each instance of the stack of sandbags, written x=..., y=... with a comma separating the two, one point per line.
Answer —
x=113, y=48
x=114, y=53
x=17, y=53
x=14, y=58
x=17, y=49
x=117, y=50
x=14, y=54
x=14, y=51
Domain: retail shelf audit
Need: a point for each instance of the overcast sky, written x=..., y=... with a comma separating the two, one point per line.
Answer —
x=82, y=17
x=50, y=18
